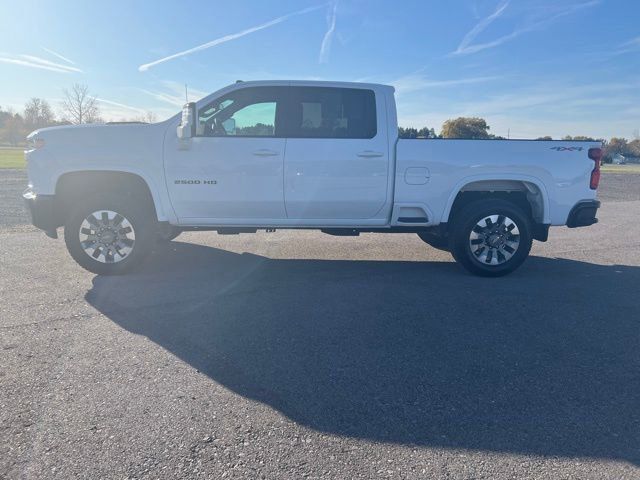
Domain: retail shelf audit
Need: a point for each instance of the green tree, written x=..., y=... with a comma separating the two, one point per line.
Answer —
x=12, y=130
x=579, y=138
x=408, y=132
x=616, y=146
x=633, y=147
x=466, y=127
x=546, y=137
x=4, y=115
x=426, y=132
x=411, y=132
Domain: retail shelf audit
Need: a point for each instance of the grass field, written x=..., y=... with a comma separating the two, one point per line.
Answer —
x=12, y=158
x=631, y=168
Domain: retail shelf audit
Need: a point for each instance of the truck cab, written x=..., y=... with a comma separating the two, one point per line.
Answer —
x=284, y=155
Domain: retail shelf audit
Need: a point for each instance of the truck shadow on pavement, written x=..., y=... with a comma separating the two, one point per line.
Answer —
x=545, y=361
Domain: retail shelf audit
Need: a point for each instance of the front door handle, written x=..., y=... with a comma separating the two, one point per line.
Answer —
x=264, y=152
x=370, y=154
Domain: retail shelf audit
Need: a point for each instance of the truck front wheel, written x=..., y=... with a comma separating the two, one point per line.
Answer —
x=491, y=237
x=109, y=236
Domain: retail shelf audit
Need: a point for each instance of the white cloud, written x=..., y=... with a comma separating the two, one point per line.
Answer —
x=555, y=98
x=174, y=94
x=415, y=82
x=121, y=105
x=634, y=42
x=629, y=46
x=228, y=38
x=599, y=109
x=325, y=47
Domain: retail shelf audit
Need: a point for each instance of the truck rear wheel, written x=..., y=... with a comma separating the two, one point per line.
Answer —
x=491, y=238
x=109, y=236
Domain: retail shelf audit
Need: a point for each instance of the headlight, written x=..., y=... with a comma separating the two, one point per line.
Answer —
x=35, y=142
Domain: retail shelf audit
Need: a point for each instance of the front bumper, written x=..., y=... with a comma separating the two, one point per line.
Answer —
x=41, y=211
x=583, y=214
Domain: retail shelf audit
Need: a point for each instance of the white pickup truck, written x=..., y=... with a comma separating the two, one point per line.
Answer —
x=302, y=155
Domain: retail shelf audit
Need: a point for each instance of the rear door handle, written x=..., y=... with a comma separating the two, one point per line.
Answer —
x=370, y=154
x=264, y=152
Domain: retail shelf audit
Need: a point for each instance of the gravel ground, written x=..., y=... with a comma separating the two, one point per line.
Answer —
x=299, y=355
x=616, y=187
x=12, y=184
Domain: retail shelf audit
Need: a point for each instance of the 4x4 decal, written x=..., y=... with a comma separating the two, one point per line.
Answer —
x=567, y=149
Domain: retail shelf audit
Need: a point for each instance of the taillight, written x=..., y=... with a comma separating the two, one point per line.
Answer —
x=595, y=154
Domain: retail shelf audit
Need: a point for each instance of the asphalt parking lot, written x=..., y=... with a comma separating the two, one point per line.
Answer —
x=300, y=355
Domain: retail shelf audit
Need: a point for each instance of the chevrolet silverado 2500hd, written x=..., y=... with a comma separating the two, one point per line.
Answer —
x=312, y=155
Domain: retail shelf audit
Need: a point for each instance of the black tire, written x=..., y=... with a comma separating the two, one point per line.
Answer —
x=473, y=223
x=138, y=220
x=167, y=233
x=436, y=241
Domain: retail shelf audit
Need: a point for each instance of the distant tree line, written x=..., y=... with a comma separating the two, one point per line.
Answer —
x=78, y=106
x=477, y=129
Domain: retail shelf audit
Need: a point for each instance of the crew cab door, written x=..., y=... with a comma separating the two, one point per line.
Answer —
x=337, y=158
x=231, y=171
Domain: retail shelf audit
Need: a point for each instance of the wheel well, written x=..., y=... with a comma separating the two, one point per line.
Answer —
x=525, y=195
x=76, y=186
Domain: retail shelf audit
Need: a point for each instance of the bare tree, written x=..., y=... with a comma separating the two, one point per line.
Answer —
x=150, y=117
x=37, y=114
x=147, y=117
x=79, y=106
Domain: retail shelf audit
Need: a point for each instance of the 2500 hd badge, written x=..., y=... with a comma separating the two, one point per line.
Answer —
x=195, y=182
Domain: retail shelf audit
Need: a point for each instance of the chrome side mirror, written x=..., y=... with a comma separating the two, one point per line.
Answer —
x=187, y=127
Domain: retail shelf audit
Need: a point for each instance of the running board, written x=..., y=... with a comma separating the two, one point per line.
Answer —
x=341, y=232
x=413, y=220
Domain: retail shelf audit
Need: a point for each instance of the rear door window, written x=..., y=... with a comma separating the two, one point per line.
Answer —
x=328, y=112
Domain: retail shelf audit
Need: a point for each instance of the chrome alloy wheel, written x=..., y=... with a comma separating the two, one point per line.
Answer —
x=494, y=239
x=107, y=236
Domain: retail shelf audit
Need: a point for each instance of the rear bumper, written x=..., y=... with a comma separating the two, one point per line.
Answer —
x=41, y=211
x=583, y=214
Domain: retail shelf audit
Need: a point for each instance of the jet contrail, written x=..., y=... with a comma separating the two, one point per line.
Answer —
x=228, y=38
x=325, y=47
x=27, y=63
x=56, y=54
x=35, y=59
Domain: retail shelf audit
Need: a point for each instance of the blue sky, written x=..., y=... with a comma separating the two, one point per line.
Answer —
x=547, y=67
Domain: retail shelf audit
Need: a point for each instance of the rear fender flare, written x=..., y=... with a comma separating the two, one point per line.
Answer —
x=546, y=217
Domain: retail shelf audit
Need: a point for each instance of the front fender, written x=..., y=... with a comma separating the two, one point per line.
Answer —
x=163, y=210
